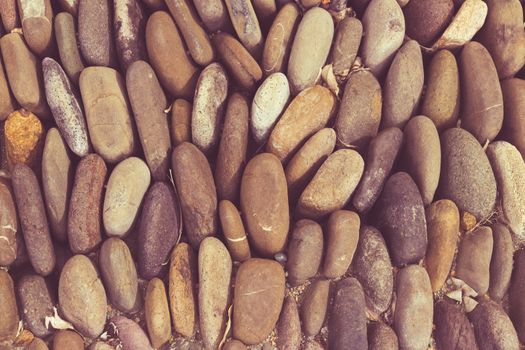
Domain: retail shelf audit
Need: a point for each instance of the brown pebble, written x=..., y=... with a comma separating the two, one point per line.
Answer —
x=7, y=101
x=314, y=307
x=234, y=344
x=452, y=327
x=36, y=303
x=346, y=44
x=24, y=138
x=233, y=230
x=304, y=251
x=246, y=25
x=67, y=45
x=37, y=25
x=8, y=225
x=84, y=218
x=180, y=122
x=427, y=19
x=157, y=313
x=8, y=12
x=8, y=309
x=37, y=344
x=289, y=326
x=67, y=340
x=381, y=337
x=501, y=262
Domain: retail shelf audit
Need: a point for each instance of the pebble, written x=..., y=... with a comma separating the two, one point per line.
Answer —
x=67, y=340
x=95, y=33
x=509, y=169
x=264, y=204
x=289, y=326
x=157, y=313
x=85, y=205
x=130, y=335
x=258, y=298
x=427, y=19
x=196, y=191
x=341, y=242
x=10, y=319
x=372, y=268
x=453, y=329
x=466, y=176
x=119, y=275
x=360, y=111
x=84, y=307
x=8, y=225
x=442, y=230
x=346, y=44
x=129, y=25
x=65, y=107
x=381, y=337
x=234, y=344
x=10, y=19
x=125, y=190
x=332, y=186
x=414, y=306
x=180, y=122
x=182, y=279
x=215, y=269
x=231, y=157
x=380, y=159
x=473, y=259
x=148, y=103
x=33, y=220
x=168, y=57
x=246, y=25
x=305, y=251
x=423, y=155
x=403, y=86
x=208, y=107
x=347, y=323
x=311, y=110
x=401, y=218
x=7, y=100
x=493, y=327
x=514, y=105
x=234, y=232
x=501, y=262
x=314, y=307
x=158, y=230
x=36, y=303
x=310, y=49
x=213, y=14
x=65, y=29
x=384, y=28
x=268, y=103
x=37, y=24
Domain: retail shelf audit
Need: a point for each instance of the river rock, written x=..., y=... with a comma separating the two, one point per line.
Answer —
x=381, y=337
x=453, y=329
x=501, y=262
x=314, y=307
x=157, y=313
x=10, y=319
x=36, y=303
x=304, y=251
x=473, y=258
x=289, y=326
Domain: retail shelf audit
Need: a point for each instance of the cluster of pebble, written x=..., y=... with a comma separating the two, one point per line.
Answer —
x=262, y=174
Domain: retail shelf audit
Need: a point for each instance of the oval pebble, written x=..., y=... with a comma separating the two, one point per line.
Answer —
x=213, y=14
x=381, y=337
x=501, y=262
x=129, y=25
x=289, y=325
x=453, y=329
x=7, y=100
x=130, y=334
x=8, y=225
x=427, y=19
x=246, y=25
x=10, y=319
x=514, y=105
x=37, y=23
x=65, y=33
x=67, y=340
x=314, y=306
x=233, y=230
x=305, y=251
x=346, y=44
x=36, y=303
x=157, y=313
x=180, y=121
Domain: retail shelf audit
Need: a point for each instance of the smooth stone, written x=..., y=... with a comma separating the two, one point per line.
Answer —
x=215, y=269
x=372, y=268
x=196, y=191
x=37, y=24
x=125, y=190
x=234, y=232
x=36, y=303
x=8, y=225
x=246, y=25
x=443, y=231
x=384, y=25
x=130, y=335
x=65, y=107
x=304, y=164
x=208, y=107
x=129, y=23
x=347, y=323
x=381, y=337
x=360, y=111
x=108, y=113
x=157, y=313
x=119, y=275
x=310, y=49
x=279, y=40
x=289, y=325
x=305, y=251
x=182, y=279
x=258, y=298
x=234, y=344
x=233, y=145
x=65, y=33
x=39, y=344
x=403, y=86
x=509, y=169
x=264, y=203
x=10, y=18
x=481, y=97
x=306, y=114
x=423, y=155
x=346, y=44
x=414, y=306
x=380, y=159
x=213, y=14
x=95, y=33
x=268, y=103
x=426, y=20
x=314, y=307
x=514, y=107
x=401, y=219
x=67, y=340
x=493, y=327
x=9, y=311
x=516, y=303
x=341, y=242
x=501, y=262
x=148, y=103
x=441, y=101
x=473, y=259
x=180, y=121
x=158, y=231
x=84, y=307
x=453, y=329
x=167, y=55
x=466, y=176
x=57, y=182
x=84, y=219
x=332, y=186
x=7, y=101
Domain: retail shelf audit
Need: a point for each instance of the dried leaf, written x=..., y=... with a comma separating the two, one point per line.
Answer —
x=467, y=22
x=456, y=295
x=329, y=79
x=24, y=338
x=470, y=304
x=57, y=322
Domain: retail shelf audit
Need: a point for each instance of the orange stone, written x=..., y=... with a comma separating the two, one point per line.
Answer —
x=24, y=135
